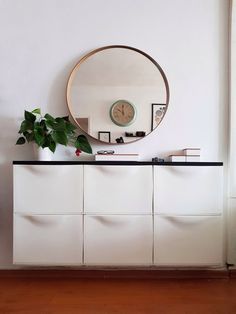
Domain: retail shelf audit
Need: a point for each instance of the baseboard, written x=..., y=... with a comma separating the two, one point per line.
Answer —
x=232, y=272
x=120, y=273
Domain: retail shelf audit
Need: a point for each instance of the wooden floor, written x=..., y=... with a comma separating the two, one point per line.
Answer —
x=125, y=296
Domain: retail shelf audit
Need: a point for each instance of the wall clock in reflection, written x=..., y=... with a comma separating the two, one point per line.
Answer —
x=123, y=113
x=122, y=76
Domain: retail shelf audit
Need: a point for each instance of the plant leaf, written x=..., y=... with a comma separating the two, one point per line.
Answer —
x=37, y=125
x=29, y=116
x=70, y=128
x=20, y=141
x=83, y=144
x=29, y=136
x=60, y=125
x=49, y=117
x=60, y=137
x=49, y=142
x=59, y=119
x=42, y=123
x=50, y=124
x=66, y=118
x=52, y=146
x=37, y=111
x=26, y=126
x=39, y=136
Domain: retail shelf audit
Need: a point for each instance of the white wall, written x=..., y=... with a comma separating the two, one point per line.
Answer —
x=232, y=164
x=42, y=40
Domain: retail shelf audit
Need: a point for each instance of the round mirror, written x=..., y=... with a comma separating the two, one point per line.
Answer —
x=117, y=94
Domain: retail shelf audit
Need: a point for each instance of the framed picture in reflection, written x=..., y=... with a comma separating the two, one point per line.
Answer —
x=104, y=136
x=158, y=111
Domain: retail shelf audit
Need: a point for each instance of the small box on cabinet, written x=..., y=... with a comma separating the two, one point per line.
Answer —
x=193, y=158
x=177, y=158
x=192, y=151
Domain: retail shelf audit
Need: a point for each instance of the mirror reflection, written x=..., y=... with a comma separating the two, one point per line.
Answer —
x=117, y=94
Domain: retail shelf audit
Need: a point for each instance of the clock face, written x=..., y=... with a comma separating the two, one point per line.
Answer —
x=123, y=113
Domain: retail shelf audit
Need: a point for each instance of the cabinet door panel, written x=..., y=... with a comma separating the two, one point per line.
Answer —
x=118, y=240
x=48, y=188
x=188, y=190
x=47, y=239
x=118, y=189
x=188, y=241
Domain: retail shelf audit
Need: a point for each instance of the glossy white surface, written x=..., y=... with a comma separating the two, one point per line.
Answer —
x=118, y=189
x=48, y=188
x=188, y=241
x=118, y=216
x=188, y=190
x=48, y=239
x=118, y=240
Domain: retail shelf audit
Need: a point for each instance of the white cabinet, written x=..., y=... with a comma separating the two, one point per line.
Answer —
x=48, y=221
x=47, y=239
x=48, y=189
x=118, y=189
x=118, y=225
x=188, y=190
x=118, y=240
x=118, y=215
x=188, y=240
x=188, y=220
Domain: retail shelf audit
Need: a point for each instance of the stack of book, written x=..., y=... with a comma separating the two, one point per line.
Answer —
x=117, y=157
x=192, y=154
x=187, y=155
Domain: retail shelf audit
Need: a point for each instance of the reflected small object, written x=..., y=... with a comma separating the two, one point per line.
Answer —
x=129, y=134
x=105, y=152
x=123, y=113
x=140, y=133
x=156, y=159
x=120, y=140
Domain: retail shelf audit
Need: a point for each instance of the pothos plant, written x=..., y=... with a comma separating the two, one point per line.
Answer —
x=47, y=131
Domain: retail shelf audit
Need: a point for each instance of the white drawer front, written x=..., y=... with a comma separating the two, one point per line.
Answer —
x=47, y=239
x=188, y=241
x=118, y=189
x=46, y=189
x=188, y=190
x=118, y=240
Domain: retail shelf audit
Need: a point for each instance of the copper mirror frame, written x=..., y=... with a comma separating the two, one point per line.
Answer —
x=83, y=125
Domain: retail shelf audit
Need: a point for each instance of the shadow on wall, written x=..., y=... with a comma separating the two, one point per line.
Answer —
x=8, y=152
x=57, y=105
x=57, y=91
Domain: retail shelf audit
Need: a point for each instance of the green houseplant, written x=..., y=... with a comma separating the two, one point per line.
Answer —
x=47, y=131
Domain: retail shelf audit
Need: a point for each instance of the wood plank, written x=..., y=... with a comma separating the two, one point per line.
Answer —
x=125, y=296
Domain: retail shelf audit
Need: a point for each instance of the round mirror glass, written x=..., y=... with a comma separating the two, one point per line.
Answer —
x=117, y=94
